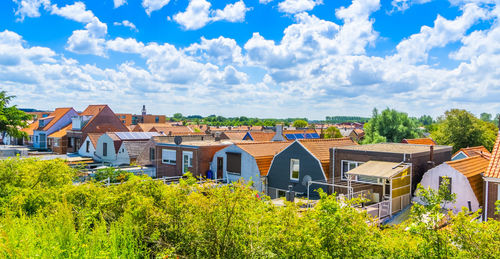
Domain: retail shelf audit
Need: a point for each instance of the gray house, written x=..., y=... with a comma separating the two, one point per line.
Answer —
x=307, y=159
x=121, y=148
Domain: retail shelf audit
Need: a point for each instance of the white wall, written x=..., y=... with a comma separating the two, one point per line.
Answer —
x=122, y=157
x=111, y=156
x=459, y=185
x=249, y=168
x=83, y=149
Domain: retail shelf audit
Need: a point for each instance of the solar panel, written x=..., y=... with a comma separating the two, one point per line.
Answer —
x=309, y=136
x=299, y=136
x=136, y=135
x=290, y=136
x=315, y=135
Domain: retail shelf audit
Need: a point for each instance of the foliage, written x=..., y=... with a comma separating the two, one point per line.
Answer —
x=114, y=175
x=425, y=120
x=11, y=118
x=462, y=129
x=485, y=117
x=43, y=214
x=332, y=132
x=392, y=125
x=299, y=124
x=341, y=119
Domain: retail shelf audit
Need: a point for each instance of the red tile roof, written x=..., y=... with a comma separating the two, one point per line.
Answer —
x=92, y=110
x=472, y=168
x=420, y=141
x=61, y=133
x=494, y=166
x=262, y=136
x=474, y=151
x=94, y=137
x=57, y=115
x=263, y=152
x=29, y=130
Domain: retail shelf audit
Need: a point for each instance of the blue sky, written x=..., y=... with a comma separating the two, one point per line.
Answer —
x=264, y=58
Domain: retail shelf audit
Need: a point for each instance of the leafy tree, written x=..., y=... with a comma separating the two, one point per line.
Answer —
x=485, y=117
x=390, y=125
x=332, y=132
x=461, y=129
x=300, y=124
x=178, y=116
x=425, y=120
x=11, y=118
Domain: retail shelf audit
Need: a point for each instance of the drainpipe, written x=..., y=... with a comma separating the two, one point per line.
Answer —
x=486, y=203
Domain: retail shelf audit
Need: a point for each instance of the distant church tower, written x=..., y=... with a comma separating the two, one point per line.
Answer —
x=143, y=113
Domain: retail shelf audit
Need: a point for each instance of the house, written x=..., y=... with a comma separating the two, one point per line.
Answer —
x=390, y=184
x=307, y=159
x=492, y=183
x=190, y=153
x=465, y=180
x=121, y=148
x=29, y=131
x=94, y=119
x=88, y=148
x=57, y=120
x=246, y=161
x=470, y=152
x=58, y=141
x=419, y=141
x=133, y=119
x=421, y=157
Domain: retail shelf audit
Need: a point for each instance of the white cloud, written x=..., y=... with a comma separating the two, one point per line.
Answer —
x=297, y=6
x=218, y=51
x=126, y=23
x=125, y=45
x=265, y=1
x=198, y=14
x=76, y=12
x=402, y=5
x=119, y=3
x=417, y=46
x=153, y=5
x=232, y=12
x=29, y=8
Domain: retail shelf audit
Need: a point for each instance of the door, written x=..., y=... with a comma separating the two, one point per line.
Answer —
x=43, y=141
x=187, y=161
x=220, y=167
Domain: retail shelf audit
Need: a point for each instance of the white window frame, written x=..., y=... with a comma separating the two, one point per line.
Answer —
x=167, y=153
x=190, y=157
x=291, y=169
x=344, y=177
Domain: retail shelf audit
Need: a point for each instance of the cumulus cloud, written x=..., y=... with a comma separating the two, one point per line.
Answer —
x=402, y=5
x=198, y=14
x=153, y=5
x=76, y=12
x=297, y=6
x=119, y=3
x=218, y=51
x=29, y=8
x=126, y=23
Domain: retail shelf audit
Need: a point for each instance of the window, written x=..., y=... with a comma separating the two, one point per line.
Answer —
x=56, y=142
x=105, y=149
x=169, y=156
x=280, y=193
x=233, y=163
x=441, y=182
x=87, y=146
x=36, y=139
x=151, y=154
x=498, y=195
x=347, y=166
x=187, y=160
x=294, y=169
x=157, y=119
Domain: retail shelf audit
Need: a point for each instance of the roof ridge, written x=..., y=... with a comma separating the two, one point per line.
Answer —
x=465, y=159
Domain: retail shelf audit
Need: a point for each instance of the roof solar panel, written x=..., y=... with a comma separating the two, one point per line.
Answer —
x=136, y=135
x=309, y=136
x=314, y=135
x=290, y=136
x=299, y=136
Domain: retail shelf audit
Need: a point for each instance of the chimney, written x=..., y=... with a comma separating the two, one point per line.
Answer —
x=279, y=133
x=431, y=157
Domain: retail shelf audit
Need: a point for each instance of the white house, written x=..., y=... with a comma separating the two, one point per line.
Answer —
x=121, y=148
x=246, y=161
x=57, y=120
x=89, y=145
x=465, y=180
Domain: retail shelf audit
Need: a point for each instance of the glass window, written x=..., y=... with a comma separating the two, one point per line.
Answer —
x=169, y=156
x=105, y=149
x=151, y=154
x=233, y=163
x=187, y=160
x=294, y=169
x=347, y=166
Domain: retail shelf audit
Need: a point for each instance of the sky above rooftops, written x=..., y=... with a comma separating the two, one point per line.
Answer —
x=262, y=58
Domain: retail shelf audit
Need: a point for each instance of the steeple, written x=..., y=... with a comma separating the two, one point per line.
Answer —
x=144, y=110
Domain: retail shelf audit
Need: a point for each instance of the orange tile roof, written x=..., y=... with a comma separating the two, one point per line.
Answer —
x=263, y=152
x=494, y=166
x=92, y=110
x=472, y=168
x=57, y=114
x=234, y=135
x=420, y=141
x=94, y=137
x=174, y=130
x=262, y=136
x=146, y=127
x=29, y=130
x=474, y=151
x=62, y=132
x=320, y=148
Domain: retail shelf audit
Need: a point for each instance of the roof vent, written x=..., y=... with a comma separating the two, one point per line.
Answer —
x=177, y=140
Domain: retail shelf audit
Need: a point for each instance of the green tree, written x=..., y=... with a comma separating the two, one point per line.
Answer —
x=178, y=116
x=11, y=118
x=425, y=120
x=461, y=129
x=390, y=125
x=300, y=124
x=332, y=132
x=485, y=117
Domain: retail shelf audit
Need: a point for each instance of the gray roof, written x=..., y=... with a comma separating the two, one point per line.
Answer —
x=396, y=148
x=134, y=148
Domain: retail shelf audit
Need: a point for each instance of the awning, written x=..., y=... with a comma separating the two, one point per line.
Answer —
x=378, y=169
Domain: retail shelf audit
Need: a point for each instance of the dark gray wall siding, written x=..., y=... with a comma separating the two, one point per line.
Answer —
x=279, y=173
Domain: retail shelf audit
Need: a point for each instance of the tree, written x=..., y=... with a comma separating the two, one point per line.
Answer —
x=392, y=125
x=300, y=124
x=178, y=116
x=11, y=118
x=426, y=120
x=485, y=117
x=461, y=129
x=332, y=132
